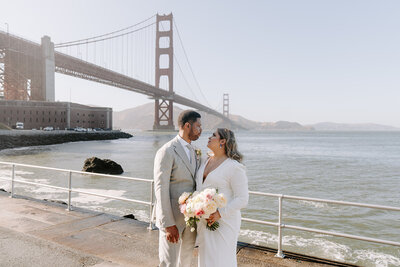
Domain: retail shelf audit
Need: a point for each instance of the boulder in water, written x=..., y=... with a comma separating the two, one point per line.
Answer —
x=105, y=166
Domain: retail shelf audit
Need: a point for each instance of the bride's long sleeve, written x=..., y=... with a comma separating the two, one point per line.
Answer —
x=239, y=185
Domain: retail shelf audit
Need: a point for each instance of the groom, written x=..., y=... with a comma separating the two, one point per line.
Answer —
x=175, y=167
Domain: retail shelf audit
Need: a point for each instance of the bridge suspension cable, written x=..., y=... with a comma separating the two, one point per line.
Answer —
x=103, y=39
x=184, y=78
x=129, y=51
x=190, y=66
x=102, y=35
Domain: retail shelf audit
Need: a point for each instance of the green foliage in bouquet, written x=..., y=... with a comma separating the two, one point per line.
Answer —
x=213, y=226
x=192, y=222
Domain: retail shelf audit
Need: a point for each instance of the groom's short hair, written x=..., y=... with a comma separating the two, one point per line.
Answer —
x=189, y=116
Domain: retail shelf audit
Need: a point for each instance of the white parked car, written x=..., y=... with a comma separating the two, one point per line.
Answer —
x=19, y=125
x=48, y=128
x=79, y=129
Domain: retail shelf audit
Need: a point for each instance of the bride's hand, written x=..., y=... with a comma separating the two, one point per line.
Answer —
x=213, y=218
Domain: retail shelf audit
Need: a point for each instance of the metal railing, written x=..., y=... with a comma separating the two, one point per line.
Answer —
x=281, y=225
x=70, y=189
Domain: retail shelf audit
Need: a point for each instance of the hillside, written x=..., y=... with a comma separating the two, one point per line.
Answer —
x=142, y=118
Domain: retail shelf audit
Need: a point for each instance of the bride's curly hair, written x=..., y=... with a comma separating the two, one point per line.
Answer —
x=231, y=149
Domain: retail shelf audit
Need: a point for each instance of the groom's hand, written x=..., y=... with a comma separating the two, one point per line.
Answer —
x=172, y=234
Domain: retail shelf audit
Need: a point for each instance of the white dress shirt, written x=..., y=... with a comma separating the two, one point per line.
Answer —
x=184, y=144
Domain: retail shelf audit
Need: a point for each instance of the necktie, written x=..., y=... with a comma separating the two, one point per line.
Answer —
x=192, y=158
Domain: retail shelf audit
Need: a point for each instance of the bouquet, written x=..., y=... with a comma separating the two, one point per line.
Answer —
x=197, y=205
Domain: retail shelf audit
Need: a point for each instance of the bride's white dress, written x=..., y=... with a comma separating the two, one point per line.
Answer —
x=218, y=248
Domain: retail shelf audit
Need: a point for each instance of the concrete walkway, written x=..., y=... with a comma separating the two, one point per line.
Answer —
x=40, y=233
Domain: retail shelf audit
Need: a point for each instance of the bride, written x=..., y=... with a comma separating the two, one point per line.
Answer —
x=224, y=172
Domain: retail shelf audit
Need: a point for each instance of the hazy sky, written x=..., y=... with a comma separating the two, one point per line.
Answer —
x=301, y=60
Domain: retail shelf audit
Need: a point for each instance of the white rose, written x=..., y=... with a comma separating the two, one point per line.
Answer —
x=220, y=200
x=210, y=207
x=184, y=197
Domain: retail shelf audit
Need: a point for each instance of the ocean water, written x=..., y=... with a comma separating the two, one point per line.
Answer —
x=350, y=166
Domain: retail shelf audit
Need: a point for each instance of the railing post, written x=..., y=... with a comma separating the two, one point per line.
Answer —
x=279, y=253
x=12, y=181
x=69, y=190
x=151, y=205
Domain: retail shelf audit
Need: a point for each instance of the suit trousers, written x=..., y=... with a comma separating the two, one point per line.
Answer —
x=176, y=254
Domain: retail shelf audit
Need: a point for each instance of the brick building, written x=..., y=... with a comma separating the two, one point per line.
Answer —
x=60, y=115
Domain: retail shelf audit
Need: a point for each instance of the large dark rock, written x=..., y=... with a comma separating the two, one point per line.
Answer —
x=105, y=166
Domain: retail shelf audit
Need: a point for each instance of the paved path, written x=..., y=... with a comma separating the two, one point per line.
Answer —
x=39, y=233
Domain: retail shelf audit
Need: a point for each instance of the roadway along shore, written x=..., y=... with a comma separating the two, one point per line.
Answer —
x=22, y=138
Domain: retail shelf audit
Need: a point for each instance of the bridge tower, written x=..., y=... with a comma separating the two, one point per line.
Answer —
x=226, y=105
x=163, y=117
x=26, y=70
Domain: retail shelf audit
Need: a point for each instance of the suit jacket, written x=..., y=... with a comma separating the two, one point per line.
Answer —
x=173, y=175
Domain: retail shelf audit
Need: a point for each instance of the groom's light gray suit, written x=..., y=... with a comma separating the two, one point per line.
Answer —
x=173, y=175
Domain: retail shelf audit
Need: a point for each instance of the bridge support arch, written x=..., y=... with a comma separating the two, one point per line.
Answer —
x=163, y=115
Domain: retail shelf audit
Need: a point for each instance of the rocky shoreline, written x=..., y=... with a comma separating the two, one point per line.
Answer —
x=15, y=138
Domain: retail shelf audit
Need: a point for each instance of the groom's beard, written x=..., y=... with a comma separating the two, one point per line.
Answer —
x=193, y=136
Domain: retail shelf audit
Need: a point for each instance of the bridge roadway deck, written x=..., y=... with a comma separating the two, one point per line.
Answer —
x=41, y=233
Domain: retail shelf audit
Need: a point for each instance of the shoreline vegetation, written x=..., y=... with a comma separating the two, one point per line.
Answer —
x=24, y=138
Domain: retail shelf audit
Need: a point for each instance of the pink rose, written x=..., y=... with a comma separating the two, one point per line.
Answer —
x=199, y=212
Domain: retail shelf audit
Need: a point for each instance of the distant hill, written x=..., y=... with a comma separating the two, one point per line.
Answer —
x=332, y=126
x=142, y=118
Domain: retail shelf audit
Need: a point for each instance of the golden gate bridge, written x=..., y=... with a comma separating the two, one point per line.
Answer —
x=139, y=58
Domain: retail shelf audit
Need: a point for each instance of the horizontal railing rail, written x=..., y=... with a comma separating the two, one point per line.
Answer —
x=281, y=225
x=70, y=190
